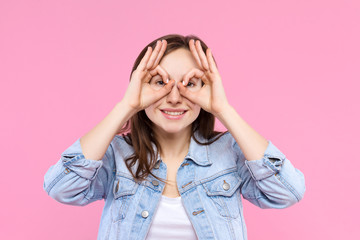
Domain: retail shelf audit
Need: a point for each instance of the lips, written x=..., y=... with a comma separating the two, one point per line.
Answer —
x=173, y=109
x=173, y=113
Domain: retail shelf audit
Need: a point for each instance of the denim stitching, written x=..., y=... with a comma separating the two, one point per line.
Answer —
x=228, y=217
x=56, y=180
x=95, y=173
x=71, y=160
x=270, y=165
x=292, y=190
x=238, y=195
x=251, y=172
x=123, y=193
x=228, y=170
x=138, y=209
x=68, y=163
x=116, y=211
x=202, y=204
x=238, y=182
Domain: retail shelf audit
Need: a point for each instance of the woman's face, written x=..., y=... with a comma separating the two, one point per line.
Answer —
x=173, y=113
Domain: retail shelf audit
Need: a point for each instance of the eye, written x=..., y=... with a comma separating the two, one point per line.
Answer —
x=160, y=82
x=190, y=84
x=193, y=82
x=157, y=81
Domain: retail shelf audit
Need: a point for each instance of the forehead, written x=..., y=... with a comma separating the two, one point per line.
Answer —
x=178, y=63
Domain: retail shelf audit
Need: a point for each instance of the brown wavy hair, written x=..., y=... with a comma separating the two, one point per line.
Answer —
x=138, y=128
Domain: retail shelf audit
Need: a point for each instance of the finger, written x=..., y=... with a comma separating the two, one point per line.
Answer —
x=194, y=52
x=165, y=90
x=161, y=53
x=186, y=93
x=159, y=70
x=147, y=77
x=194, y=73
x=154, y=55
x=202, y=55
x=211, y=61
x=145, y=59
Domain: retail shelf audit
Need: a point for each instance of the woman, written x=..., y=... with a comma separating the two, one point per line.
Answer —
x=172, y=176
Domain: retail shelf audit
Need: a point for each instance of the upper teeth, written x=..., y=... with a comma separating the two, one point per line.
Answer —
x=173, y=113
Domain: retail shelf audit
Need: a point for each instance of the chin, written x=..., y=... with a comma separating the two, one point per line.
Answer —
x=173, y=130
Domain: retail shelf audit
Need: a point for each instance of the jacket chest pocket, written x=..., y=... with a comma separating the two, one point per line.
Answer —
x=123, y=189
x=223, y=193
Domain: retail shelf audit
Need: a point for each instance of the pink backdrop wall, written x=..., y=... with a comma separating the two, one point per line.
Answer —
x=290, y=68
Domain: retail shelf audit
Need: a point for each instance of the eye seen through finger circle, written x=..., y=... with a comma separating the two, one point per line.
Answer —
x=190, y=84
x=194, y=84
x=160, y=82
x=157, y=82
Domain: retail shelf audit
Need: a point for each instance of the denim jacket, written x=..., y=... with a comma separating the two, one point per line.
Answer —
x=209, y=180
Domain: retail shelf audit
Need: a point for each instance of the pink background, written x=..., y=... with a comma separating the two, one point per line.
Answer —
x=290, y=68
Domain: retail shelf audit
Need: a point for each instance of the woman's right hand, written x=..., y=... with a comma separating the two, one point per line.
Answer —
x=140, y=94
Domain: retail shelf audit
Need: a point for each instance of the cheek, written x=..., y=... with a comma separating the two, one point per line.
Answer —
x=149, y=111
x=194, y=107
x=197, y=109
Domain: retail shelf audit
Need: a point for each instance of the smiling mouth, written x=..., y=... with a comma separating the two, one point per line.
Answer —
x=173, y=113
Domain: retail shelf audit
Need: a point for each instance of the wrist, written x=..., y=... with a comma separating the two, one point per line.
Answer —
x=125, y=109
x=226, y=110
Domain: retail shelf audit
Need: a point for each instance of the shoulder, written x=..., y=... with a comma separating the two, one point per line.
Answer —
x=226, y=141
x=226, y=145
x=221, y=155
x=119, y=139
x=121, y=147
x=122, y=150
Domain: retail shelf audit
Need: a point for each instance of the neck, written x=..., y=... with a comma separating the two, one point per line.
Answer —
x=174, y=145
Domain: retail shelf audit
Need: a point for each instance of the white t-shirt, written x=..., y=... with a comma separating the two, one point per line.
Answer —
x=171, y=221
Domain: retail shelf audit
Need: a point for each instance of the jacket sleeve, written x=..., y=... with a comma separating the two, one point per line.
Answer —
x=272, y=181
x=75, y=180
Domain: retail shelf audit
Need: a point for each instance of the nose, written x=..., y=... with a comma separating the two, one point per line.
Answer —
x=174, y=96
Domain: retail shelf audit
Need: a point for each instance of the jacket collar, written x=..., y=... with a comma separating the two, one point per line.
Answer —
x=197, y=152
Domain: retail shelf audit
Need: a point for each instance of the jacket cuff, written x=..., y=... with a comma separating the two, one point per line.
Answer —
x=73, y=159
x=268, y=165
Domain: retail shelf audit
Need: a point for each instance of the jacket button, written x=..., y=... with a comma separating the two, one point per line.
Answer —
x=157, y=165
x=144, y=214
x=155, y=183
x=226, y=186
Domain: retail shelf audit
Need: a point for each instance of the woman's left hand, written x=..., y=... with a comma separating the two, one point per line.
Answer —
x=211, y=97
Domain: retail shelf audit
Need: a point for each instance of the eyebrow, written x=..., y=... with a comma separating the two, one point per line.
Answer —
x=158, y=75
